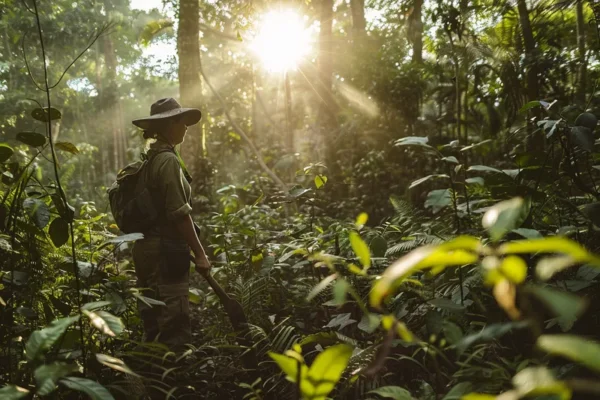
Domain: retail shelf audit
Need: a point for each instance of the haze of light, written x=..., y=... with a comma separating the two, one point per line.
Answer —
x=282, y=41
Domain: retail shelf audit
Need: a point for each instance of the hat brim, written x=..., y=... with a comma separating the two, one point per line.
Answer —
x=191, y=116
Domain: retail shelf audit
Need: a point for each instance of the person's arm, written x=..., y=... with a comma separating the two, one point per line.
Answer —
x=185, y=225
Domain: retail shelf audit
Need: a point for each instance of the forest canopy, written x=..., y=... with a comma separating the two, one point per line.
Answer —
x=401, y=198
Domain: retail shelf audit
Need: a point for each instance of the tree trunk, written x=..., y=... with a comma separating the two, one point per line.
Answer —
x=581, y=78
x=359, y=23
x=416, y=31
x=533, y=91
x=190, y=84
x=326, y=117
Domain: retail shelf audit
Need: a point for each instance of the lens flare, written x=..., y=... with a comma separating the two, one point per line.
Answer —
x=282, y=41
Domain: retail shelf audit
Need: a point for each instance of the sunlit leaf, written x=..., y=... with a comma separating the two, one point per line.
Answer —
x=425, y=179
x=419, y=259
x=361, y=249
x=114, y=363
x=361, y=220
x=503, y=217
x=327, y=370
x=320, y=181
x=66, y=146
x=289, y=366
x=105, y=322
x=340, y=289
x=514, y=268
x=321, y=286
x=575, y=348
x=536, y=381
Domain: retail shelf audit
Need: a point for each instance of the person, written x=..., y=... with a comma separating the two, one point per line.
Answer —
x=162, y=257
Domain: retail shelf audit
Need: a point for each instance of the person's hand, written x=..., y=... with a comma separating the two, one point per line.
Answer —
x=202, y=264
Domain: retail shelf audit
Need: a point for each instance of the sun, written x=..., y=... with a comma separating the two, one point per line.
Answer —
x=282, y=41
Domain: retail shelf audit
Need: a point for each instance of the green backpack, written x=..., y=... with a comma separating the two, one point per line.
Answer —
x=131, y=201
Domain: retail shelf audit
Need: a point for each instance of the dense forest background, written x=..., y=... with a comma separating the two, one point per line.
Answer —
x=402, y=195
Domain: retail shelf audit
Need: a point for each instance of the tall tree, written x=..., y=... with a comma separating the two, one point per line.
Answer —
x=415, y=29
x=533, y=91
x=190, y=84
x=359, y=22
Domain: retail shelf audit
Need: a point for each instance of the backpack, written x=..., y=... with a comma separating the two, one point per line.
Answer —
x=131, y=201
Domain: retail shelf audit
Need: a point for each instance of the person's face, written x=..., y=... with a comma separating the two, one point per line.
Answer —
x=177, y=130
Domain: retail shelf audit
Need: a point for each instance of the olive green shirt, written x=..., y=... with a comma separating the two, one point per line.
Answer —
x=166, y=176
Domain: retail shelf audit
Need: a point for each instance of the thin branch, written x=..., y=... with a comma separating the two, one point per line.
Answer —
x=27, y=7
x=93, y=38
x=27, y=64
x=243, y=134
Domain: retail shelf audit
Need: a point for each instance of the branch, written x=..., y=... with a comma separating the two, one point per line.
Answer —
x=93, y=39
x=27, y=64
x=243, y=134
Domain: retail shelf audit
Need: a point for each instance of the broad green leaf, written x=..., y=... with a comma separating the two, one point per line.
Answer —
x=483, y=168
x=528, y=233
x=552, y=244
x=361, y=249
x=59, y=232
x=105, y=322
x=583, y=138
x=425, y=179
x=392, y=392
x=575, y=348
x=535, y=381
x=320, y=181
x=114, y=363
x=47, y=376
x=5, y=152
x=12, y=392
x=361, y=220
x=38, y=211
x=378, y=246
x=41, y=340
x=66, y=146
x=438, y=199
x=476, y=180
x=194, y=296
x=419, y=259
x=529, y=106
x=340, y=289
x=327, y=370
x=46, y=114
x=514, y=268
x=489, y=333
x=458, y=390
x=451, y=159
x=33, y=139
x=95, y=305
x=565, y=306
x=503, y=217
x=289, y=366
x=413, y=141
x=321, y=286
x=92, y=388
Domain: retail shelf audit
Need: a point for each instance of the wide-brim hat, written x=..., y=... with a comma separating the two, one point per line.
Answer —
x=168, y=108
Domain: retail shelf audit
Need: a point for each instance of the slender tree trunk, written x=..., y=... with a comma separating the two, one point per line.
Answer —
x=190, y=83
x=416, y=31
x=359, y=23
x=327, y=107
x=535, y=140
x=533, y=91
x=582, y=76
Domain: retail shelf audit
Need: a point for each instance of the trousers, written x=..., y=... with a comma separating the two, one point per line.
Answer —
x=162, y=267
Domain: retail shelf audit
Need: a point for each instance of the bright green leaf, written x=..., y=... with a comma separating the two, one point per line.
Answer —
x=320, y=181
x=327, y=370
x=105, y=322
x=361, y=249
x=514, y=268
x=43, y=339
x=362, y=219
